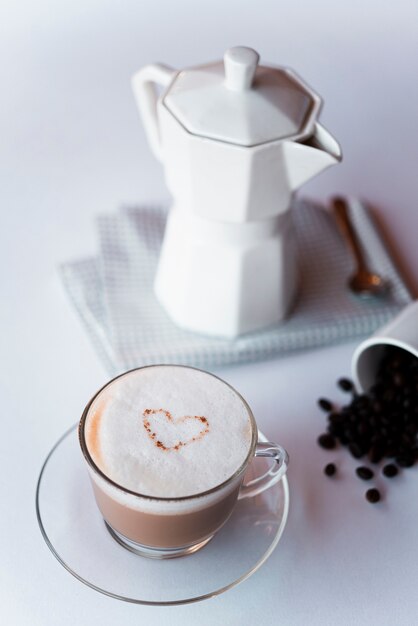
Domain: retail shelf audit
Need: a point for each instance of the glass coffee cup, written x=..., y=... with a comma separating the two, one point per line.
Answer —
x=151, y=421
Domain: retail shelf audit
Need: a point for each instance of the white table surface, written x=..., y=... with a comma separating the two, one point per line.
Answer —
x=71, y=145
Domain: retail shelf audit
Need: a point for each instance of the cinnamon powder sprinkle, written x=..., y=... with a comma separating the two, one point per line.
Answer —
x=180, y=420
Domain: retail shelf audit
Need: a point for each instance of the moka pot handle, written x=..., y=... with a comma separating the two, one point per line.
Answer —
x=144, y=85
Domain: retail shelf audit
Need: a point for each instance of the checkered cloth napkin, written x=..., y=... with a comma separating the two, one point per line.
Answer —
x=112, y=293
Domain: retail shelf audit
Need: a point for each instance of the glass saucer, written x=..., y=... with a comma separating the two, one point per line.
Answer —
x=77, y=536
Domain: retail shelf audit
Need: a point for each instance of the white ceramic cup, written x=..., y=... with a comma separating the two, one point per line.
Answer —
x=402, y=332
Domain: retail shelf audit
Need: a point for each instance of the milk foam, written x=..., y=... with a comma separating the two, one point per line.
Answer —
x=168, y=431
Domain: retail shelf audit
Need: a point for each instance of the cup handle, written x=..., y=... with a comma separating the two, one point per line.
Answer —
x=272, y=476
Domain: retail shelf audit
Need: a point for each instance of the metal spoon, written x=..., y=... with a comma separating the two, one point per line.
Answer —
x=363, y=282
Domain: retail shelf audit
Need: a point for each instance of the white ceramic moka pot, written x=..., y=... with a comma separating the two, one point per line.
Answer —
x=236, y=140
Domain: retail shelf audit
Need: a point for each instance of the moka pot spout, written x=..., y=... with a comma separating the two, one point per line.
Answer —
x=305, y=159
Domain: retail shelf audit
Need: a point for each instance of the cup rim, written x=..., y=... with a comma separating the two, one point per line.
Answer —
x=95, y=468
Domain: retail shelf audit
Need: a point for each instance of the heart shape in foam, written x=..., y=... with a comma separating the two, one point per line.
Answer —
x=174, y=433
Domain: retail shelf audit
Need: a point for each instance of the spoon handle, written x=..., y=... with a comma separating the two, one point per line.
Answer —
x=344, y=222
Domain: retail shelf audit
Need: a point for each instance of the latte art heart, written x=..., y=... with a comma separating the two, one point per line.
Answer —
x=182, y=430
x=168, y=431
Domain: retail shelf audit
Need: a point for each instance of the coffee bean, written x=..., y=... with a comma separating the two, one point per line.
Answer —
x=327, y=441
x=377, y=405
x=389, y=395
x=375, y=391
x=390, y=470
x=391, y=451
x=362, y=402
x=345, y=384
x=363, y=429
x=375, y=454
x=330, y=469
x=411, y=429
x=384, y=432
x=333, y=429
x=355, y=450
x=349, y=433
x=325, y=405
x=336, y=418
x=373, y=495
x=364, y=473
x=405, y=460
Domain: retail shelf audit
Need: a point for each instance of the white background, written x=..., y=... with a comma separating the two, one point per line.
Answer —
x=71, y=145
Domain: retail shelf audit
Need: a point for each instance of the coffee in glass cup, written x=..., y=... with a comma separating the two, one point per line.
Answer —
x=167, y=448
